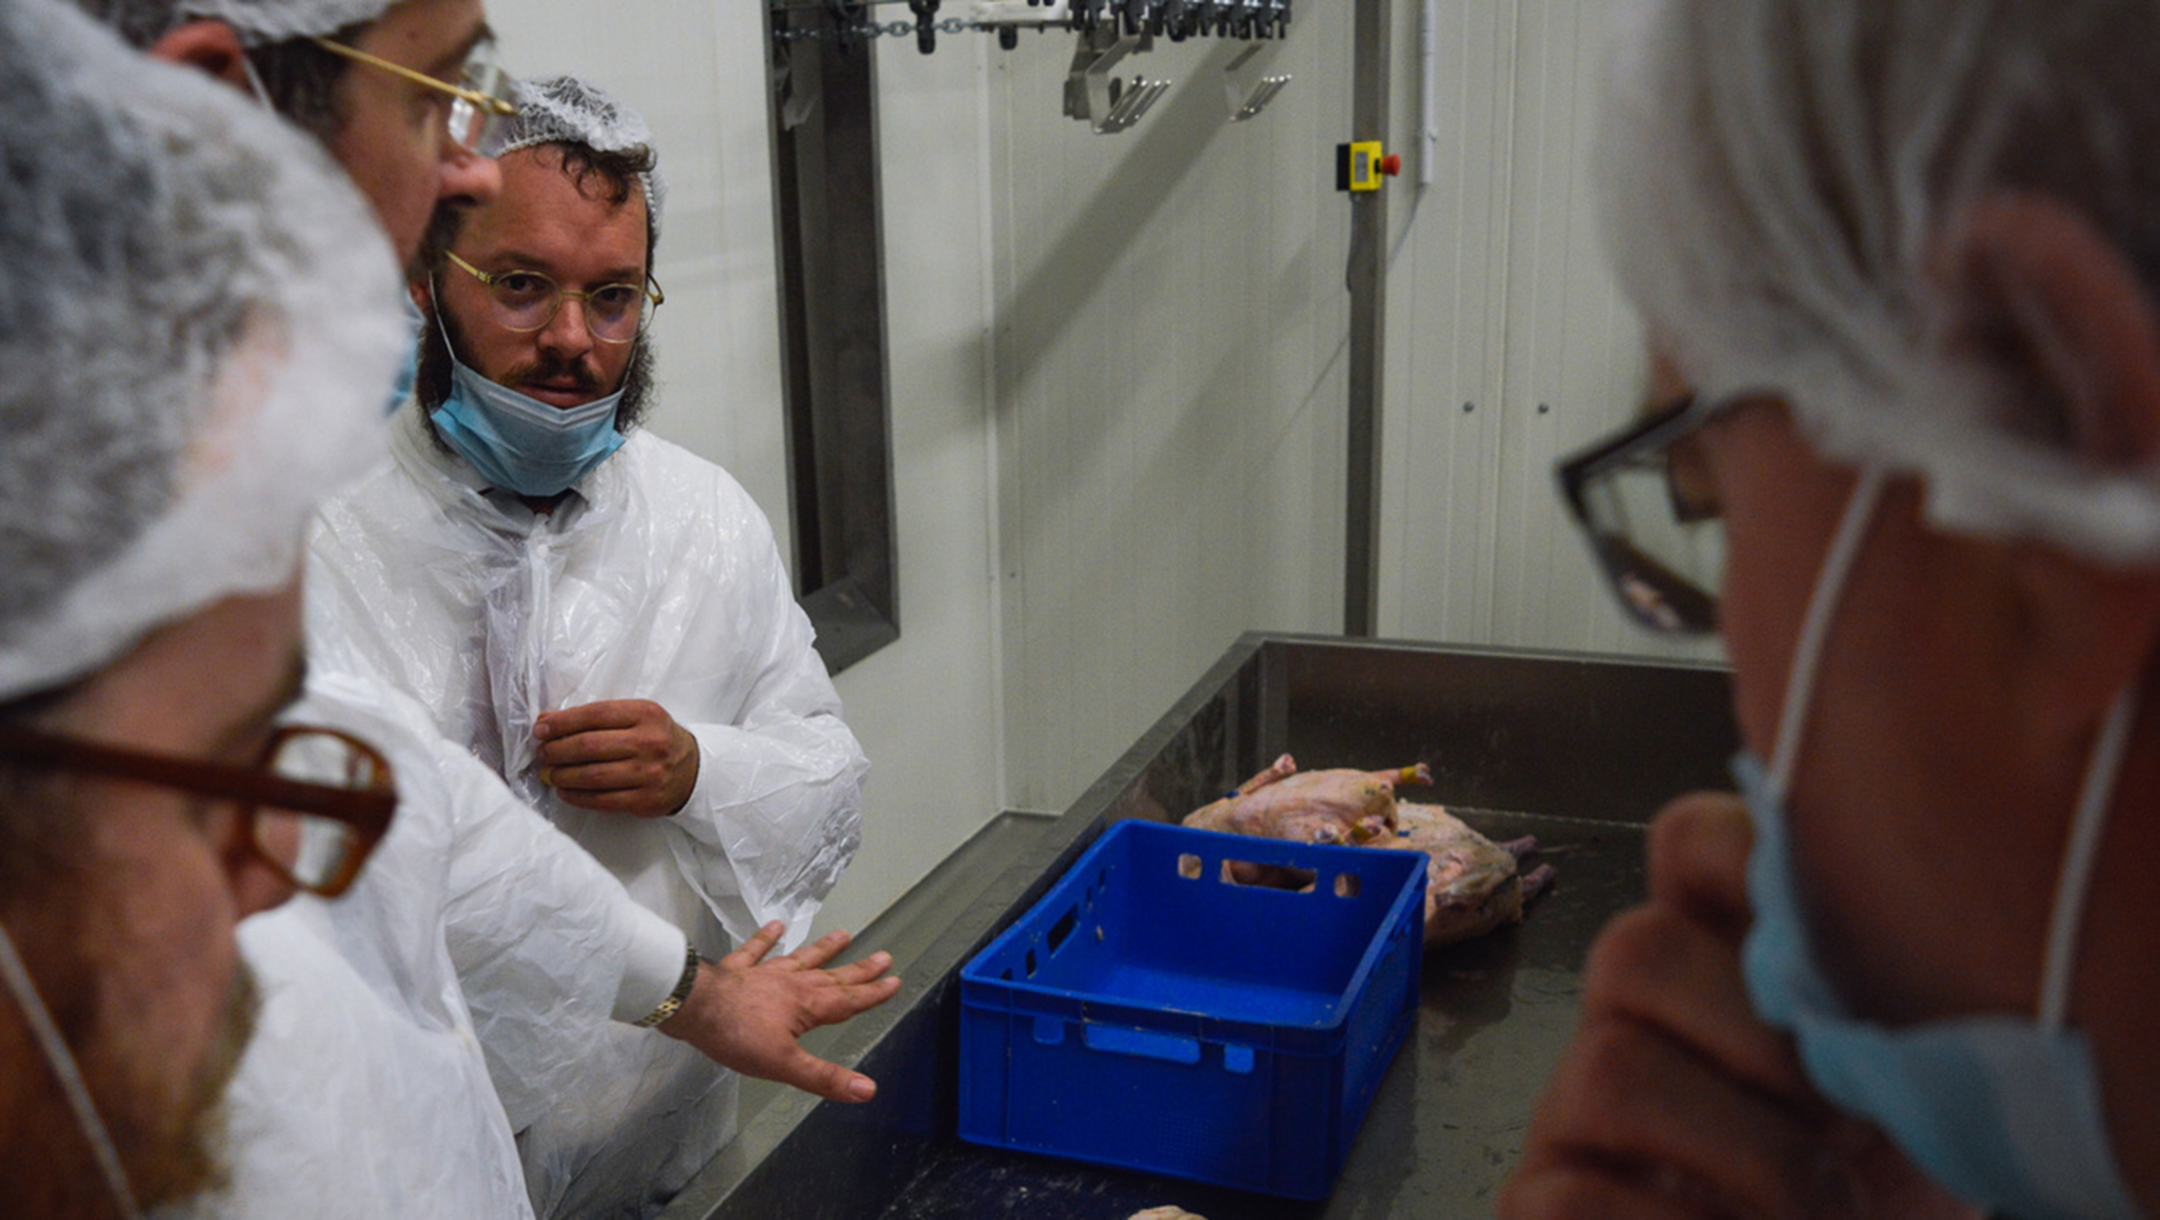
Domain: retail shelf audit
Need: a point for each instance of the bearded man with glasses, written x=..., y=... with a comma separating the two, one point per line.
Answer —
x=173, y=256
x=600, y=616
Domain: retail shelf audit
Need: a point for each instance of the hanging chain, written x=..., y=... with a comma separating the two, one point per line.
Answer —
x=872, y=29
x=1179, y=19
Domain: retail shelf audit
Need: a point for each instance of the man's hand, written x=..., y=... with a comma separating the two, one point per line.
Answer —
x=618, y=756
x=1675, y=1102
x=747, y=1013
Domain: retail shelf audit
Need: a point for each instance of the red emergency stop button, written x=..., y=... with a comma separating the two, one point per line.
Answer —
x=1391, y=165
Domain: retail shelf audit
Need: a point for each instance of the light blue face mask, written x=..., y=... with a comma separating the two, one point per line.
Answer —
x=2002, y=1111
x=518, y=442
x=401, y=389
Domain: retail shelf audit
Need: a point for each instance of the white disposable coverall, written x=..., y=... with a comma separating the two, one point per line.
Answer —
x=364, y=1093
x=655, y=578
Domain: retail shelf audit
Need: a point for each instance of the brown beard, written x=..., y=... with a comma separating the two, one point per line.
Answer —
x=189, y=1154
x=169, y=1147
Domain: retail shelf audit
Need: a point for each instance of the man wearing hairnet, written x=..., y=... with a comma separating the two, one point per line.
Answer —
x=197, y=304
x=473, y=892
x=603, y=617
x=1903, y=254
x=404, y=93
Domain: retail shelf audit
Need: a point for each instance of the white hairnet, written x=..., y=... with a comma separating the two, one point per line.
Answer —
x=565, y=109
x=257, y=22
x=198, y=318
x=1779, y=174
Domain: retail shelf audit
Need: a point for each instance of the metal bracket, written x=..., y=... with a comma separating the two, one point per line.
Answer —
x=1022, y=14
x=1108, y=104
x=1249, y=97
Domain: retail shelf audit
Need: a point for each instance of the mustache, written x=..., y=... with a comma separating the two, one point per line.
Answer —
x=552, y=368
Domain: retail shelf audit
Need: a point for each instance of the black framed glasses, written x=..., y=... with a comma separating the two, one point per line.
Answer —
x=317, y=800
x=1646, y=501
x=526, y=301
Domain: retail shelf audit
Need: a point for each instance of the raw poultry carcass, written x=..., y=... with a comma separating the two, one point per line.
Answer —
x=1355, y=807
x=1473, y=885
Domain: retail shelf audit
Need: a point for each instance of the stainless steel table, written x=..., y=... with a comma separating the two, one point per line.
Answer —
x=1576, y=750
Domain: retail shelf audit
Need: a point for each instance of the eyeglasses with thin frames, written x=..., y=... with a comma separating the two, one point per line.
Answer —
x=481, y=105
x=1644, y=497
x=317, y=800
x=526, y=301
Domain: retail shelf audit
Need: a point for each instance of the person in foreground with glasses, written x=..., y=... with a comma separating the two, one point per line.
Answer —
x=600, y=616
x=1903, y=252
x=404, y=93
x=195, y=303
x=386, y=1117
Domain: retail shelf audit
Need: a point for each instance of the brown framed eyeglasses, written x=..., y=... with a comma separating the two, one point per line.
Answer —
x=317, y=800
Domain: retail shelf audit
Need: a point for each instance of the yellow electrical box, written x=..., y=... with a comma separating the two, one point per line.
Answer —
x=1360, y=165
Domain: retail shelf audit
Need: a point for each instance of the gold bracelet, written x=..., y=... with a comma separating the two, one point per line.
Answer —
x=673, y=1004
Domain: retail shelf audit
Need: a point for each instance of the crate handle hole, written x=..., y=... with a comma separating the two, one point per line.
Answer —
x=1268, y=876
x=1031, y=963
x=1188, y=866
x=1063, y=928
x=1140, y=1043
x=1346, y=885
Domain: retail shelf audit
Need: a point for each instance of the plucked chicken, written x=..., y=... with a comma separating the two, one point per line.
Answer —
x=1473, y=885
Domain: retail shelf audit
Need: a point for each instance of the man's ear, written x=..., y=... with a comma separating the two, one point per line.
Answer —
x=2058, y=307
x=2046, y=292
x=207, y=46
x=423, y=297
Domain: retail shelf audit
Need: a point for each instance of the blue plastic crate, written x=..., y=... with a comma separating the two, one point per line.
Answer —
x=1152, y=1014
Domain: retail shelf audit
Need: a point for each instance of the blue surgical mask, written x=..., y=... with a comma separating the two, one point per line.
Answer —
x=2002, y=1111
x=518, y=442
x=401, y=389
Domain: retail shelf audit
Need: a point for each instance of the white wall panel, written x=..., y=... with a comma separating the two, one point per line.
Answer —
x=1170, y=314
x=1447, y=292
x=1502, y=298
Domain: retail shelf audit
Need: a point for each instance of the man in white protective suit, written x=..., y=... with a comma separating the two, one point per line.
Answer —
x=168, y=265
x=601, y=616
x=363, y=1094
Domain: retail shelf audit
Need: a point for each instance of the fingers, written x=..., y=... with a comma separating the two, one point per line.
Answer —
x=831, y=1003
x=1627, y=1101
x=862, y=971
x=602, y=746
x=1656, y=969
x=822, y=950
x=585, y=717
x=752, y=951
x=606, y=776
x=1698, y=854
x=1570, y=1191
x=829, y=1080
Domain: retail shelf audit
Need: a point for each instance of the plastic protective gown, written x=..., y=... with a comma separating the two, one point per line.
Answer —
x=364, y=1093
x=655, y=578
